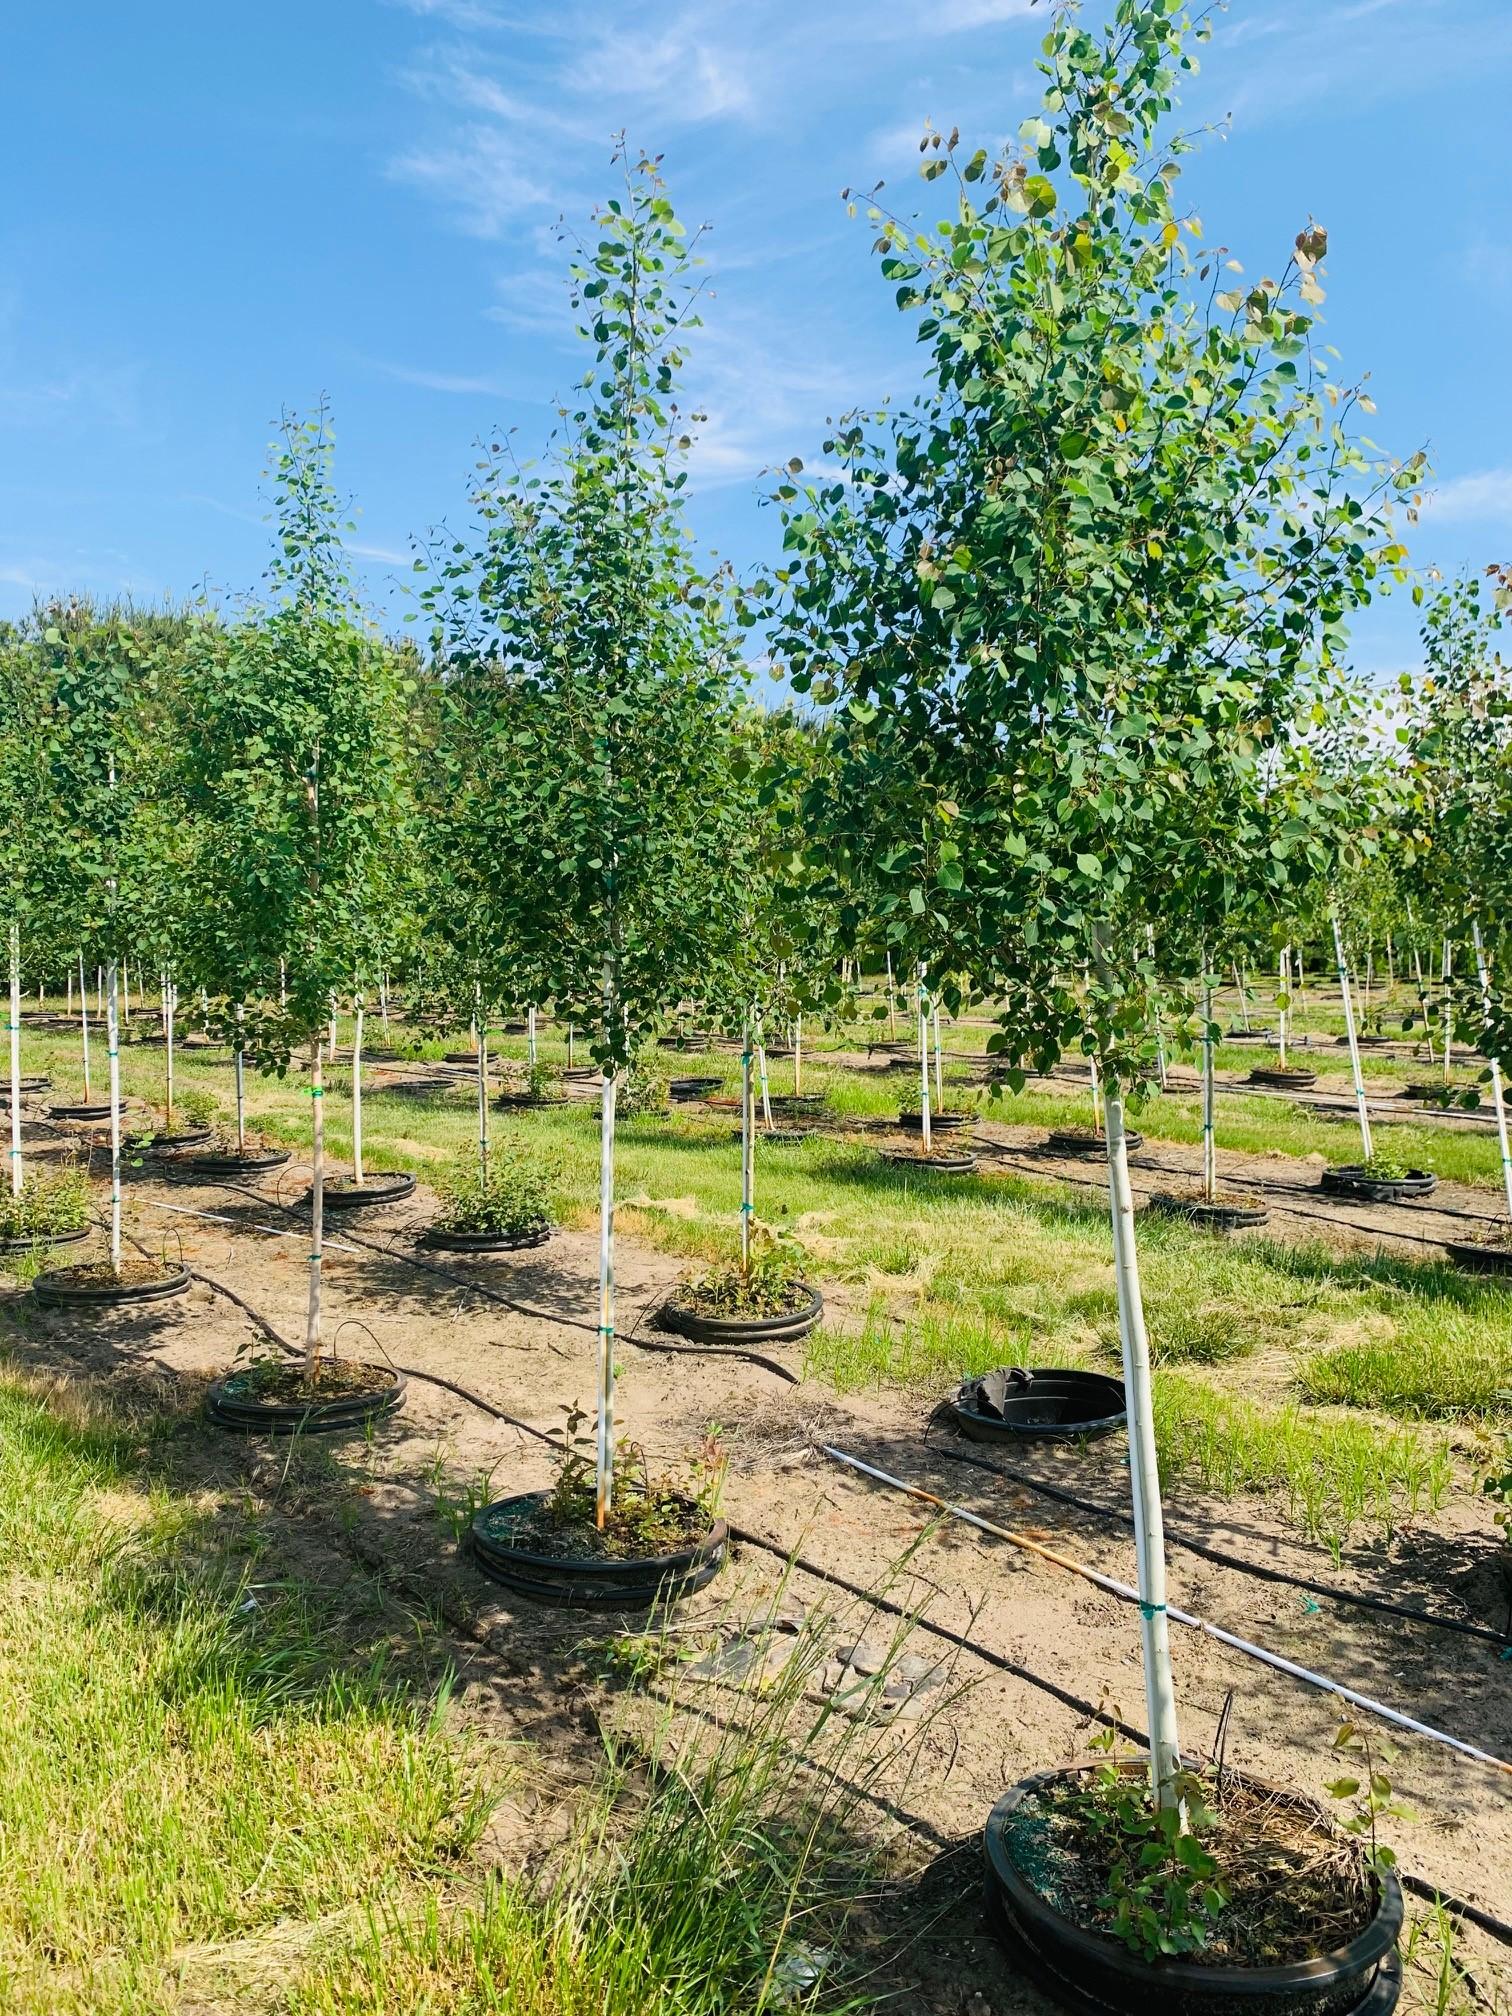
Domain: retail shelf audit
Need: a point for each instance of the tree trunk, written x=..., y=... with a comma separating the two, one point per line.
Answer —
x=113, y=1048
x=747, y=1154
x=926, y=1131
x=357, y=1090
x=1354, y=1041
x=1144, y=1472
x=15, y=1059
x=1497, y=1101
x=605, y=1465
x=1209, y=1137
x=317, y=1208
x=84, y=1025
x=241, y=1088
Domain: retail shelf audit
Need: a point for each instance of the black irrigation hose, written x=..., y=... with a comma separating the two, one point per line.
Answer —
x=1382, y=1604
x=1457, y=1906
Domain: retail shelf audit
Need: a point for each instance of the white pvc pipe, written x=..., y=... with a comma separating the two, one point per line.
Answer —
x=170, y=1002
x=766, y=1090
x=1354, y=1041
x=1282, y=997
x=530, y=1033
x=241, y=1085
x=1144, y=1471
x=357, y=1089
x=15, y=1058
x=939, y=1075
x=1448, y=1013
x=892, y=1004
x=317, y=1205
x=1209, y=1136
x=605, y=1453
x=747, y=1152
x=924, y=1125
x=797, y=1056
x=84, y=1024
x=1496, y=1078
x=113, y=1046
x=483, y=1103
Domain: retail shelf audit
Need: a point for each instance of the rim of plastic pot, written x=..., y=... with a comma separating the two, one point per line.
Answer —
x=1347, y=1181
x=521, y=1102
x=385, y=1186
x=1214, y=1217
x=93, y=1109
x=1086, y=1971
x=1079, y=1141
x=35, y=1241
x=950, y=1121
x=562, y=1579
x=251, y=1162
x=51, y=1293
x=445, y=1241
x=700, y=1329
x=935, y=1165
x=172, y=1144
x=282, y=1417
x=1476, y=1258
x=1099, y=1387
x=1284, y=1077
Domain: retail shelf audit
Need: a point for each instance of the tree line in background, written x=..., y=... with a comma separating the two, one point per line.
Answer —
x=1074, y=728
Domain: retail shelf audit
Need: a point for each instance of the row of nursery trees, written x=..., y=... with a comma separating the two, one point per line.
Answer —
x=1069, y=631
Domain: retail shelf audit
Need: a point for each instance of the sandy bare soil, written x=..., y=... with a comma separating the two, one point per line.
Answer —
x=370, y=1510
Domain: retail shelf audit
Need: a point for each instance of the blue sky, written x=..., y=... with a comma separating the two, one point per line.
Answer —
x=213, y=211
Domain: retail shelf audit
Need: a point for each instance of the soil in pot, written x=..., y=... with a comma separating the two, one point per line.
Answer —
x=1057, y=1403
x=96, y=1284
x=94, y=1109
x=28, y=1087
x=386, y=1186
x=232, y=1161
x=1304, y=1928
x=1382, y=1183
x=1087, y=1141
x=273, y=1396
x=947, y=1121
x=454, y=1239
x=938, y=1162
x=695, y=1088
x=1229, y=1211
x=1283, y=1078
x=648, y=1550
x=171, y=1144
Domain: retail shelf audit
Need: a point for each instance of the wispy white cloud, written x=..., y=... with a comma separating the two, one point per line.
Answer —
x=465, y=14
x=387, y=554
x=483, y=177
x=692, y=70
x=1484, y=498
x=442, y=381
x=956, y=14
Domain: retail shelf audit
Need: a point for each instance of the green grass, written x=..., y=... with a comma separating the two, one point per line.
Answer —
x=191, y=1755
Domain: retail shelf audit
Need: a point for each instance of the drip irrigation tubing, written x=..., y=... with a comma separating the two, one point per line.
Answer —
x=1460, y=1907
x=1383, y=1604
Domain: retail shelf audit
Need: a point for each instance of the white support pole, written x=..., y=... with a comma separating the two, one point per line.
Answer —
x=1422, y=995
x=317, y=1207
x=357, y=1088
x=170, y=1002
x=797, y=1056
x=892, y=1004
x=69, y=1010
x=924, y=1115
x=530, y=1033
x=84, y=1024
x=383, y=1000
x=1160, y=1050
x=283, y=984
x=939, y=1073
x=1283, y=997
x=1448, y=1012
x=1144, y=1473
x=570, y=1034
x=483, y=1104
x=1497, y=1101
x=15, y=1057
x=1209, y=1136
x=1244, y=1021
x=241, y=1087
x=1096, y=1085
x=113, y=1047
x=761, y=1069
x=1354, y=1041
x=604, y=1495
x=747, y=1151
x=332, y=1045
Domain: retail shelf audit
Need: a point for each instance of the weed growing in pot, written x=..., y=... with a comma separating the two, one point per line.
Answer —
x=510, y=1200
x=769, y=1285
x=648, y=1513
x=643, y=1090
x=46, y=1205
x=1370, y=1799
x=1383, y=1169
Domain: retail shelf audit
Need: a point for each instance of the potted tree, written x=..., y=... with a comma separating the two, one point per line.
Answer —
x=290, y=773
x=608, y=805
x=1070, y=589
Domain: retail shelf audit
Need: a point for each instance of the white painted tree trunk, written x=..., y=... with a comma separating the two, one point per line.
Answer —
x=1209, y=1133
x=747, y=1152
x=1361, y=1104
x=357, y=1089
x=113, y=1048
x=925, y=1129
x=605, y=1465
x=317, y=1207
x=1144, y=1473
x=84, y=1025
x=241, y=1087
x=1497, y=1101
x=15, y=1059
x=483, y=1105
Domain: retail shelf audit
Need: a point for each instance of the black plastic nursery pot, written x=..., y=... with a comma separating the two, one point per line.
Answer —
x=948, y=1121
x=388, y=1186
x=1221, y=1216
x=37, y=1242
x=798, y=1102
x=1046, y=1404
x=694, y=1088
x=174, y=1144
x=1348, y=1180
x=1093, y=1974
x=588, y=1579
x=28, y=1085
x=1434, y=1092
x=1480, y=1258
x=522, y=1102
x=240, y=1162
x=444, y=1240
x=233, y=1402
x=94, y=1109
x=1283, y=1078
x=1082, y=1141
x=461, y=1057
x=776, y=1137
x=62, y=1290
x=937, y=1164
x=733, y=1331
